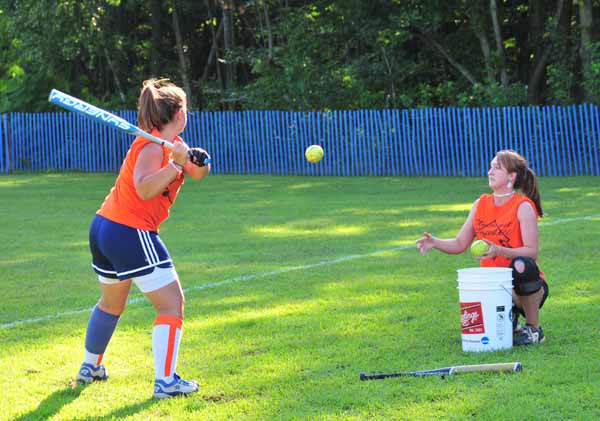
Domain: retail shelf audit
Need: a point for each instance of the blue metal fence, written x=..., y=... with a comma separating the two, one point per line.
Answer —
x=556, y=140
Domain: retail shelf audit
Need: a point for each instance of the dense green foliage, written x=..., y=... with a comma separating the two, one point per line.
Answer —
x=293, y=286
x=302, y=55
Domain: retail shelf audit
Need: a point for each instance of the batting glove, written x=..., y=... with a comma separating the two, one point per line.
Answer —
x=199, y=157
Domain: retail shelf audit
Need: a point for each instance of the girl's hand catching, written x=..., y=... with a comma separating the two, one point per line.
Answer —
x=425, y=243
x=493, y=251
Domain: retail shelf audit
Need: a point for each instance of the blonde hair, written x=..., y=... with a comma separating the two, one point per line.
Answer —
x=526, y=179
x=159, y=101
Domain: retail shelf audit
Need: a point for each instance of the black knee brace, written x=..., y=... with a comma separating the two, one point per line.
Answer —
x=527, y=282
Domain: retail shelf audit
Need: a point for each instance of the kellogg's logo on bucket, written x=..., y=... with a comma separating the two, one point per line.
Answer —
x=471, y=318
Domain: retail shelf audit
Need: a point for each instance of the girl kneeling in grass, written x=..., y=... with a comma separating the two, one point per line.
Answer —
x=507, y=222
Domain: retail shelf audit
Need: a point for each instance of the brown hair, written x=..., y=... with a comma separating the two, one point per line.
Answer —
x=159, y=101
x=526, y=180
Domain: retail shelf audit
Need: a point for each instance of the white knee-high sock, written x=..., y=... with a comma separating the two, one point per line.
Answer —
x=166, y=336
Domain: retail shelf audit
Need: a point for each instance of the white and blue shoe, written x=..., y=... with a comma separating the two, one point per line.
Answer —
x=178, y=387
x=89, y=373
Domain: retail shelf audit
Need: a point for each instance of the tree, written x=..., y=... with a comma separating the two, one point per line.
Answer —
x=302, y=54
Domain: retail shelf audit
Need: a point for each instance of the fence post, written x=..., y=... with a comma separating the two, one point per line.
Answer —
x=5, y=146
x=594, y=135
x=2, y=160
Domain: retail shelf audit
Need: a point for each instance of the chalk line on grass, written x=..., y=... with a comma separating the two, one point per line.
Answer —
x=244, y=278
x=563, y=220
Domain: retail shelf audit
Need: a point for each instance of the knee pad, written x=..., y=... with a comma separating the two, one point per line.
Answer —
x=527, y=282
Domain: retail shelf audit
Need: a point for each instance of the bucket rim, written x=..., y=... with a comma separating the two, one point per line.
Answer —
x=485, y=270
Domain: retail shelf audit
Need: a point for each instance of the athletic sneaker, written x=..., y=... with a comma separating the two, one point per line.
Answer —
x=89, y=373
x=178, y=387
x=529, y=336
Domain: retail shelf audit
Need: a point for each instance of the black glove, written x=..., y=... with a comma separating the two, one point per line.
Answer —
x=199, y=157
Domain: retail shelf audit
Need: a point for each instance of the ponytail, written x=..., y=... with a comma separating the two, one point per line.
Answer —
x=529, y=186
x=526, y=179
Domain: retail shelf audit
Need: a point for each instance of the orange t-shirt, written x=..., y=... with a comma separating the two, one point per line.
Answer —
x=500, y=225
x=123, y=205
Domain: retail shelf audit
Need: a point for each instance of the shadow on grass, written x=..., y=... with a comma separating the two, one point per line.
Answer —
x=52, y=404
x=63, y=397
x=123, y=412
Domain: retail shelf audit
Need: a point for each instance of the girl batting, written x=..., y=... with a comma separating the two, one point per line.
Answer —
x=125, y=244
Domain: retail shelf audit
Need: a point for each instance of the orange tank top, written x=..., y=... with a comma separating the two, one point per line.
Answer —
x=500, y=225
x=123, y=205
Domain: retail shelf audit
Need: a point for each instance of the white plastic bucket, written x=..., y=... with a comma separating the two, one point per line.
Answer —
x=485, y=296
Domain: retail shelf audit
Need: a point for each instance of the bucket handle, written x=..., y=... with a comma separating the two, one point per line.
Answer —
x=509, y=292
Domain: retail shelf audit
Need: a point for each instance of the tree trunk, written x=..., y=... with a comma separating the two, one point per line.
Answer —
x=486, y=51
x=183, y=64
x=392, y=93
x=564, y=26
x=499, y=43
x=586, y=19
x=533, y=87
x=228, y=40
x=77, y=67
x=269, y=32
x=213, y=55
x=215, y=46
x=535, y=51
x=155, y=10
x=463, y=71
x=521, y=30
x=478, y=24
x=115, y=76
x=562, y=57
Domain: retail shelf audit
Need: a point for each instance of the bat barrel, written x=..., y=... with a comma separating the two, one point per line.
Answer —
x=504, y=367
x=102, y=116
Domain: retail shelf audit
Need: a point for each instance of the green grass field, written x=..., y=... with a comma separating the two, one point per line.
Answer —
x=294, y=286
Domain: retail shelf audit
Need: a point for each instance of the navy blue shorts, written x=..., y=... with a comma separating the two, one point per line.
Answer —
x=121, y=252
